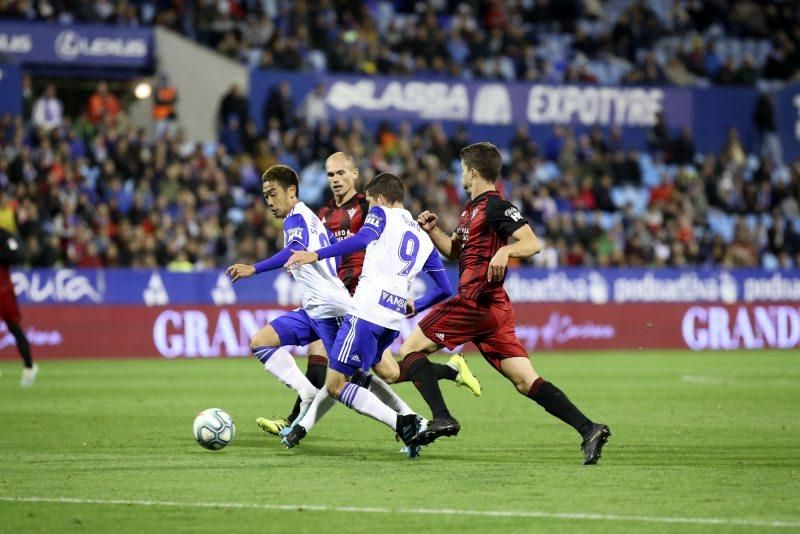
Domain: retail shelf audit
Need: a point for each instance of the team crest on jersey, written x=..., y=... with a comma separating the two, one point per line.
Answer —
x=463, y=213
x=513, y=214
x=351, y=212
x=474, y=211
x=324, y=220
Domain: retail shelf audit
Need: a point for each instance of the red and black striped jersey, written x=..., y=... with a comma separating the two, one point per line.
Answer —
x=344, y=221
x=485, y=225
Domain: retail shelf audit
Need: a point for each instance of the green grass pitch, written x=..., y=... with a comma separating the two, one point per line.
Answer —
x=701, y=442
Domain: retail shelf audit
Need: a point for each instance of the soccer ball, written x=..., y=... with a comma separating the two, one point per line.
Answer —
x=214, y=429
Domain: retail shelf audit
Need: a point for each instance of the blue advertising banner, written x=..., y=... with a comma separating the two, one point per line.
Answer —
x=10, y=89
x=85, y=45
x=524, y=285
x=491, y=109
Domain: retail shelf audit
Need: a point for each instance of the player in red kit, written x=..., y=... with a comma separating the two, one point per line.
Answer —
x=344, y=215
x=481, y=312
x=10, y=254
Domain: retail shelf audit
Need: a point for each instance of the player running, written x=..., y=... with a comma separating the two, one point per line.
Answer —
x=324, y=298
x=11, y=253
x=343, y=216
x=396, y=251
x=481, y=312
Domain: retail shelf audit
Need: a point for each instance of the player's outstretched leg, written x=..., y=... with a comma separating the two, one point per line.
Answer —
x=455, y=370
x=316, y=368
x=29, y=370
x=277, y=361
x=555, y=402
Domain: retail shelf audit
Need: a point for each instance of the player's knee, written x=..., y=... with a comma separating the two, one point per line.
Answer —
x=522, y=384
x=334, y=389
x=390, y=376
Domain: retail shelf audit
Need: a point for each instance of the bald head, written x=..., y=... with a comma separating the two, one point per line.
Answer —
x=342, y=176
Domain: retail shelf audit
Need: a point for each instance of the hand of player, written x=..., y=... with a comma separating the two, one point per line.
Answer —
x=301, y=257
x=427, y=220
x=239, y=270
x=410, y=310
x=497, y=267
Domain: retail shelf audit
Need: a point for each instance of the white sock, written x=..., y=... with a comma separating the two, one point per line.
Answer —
x=386, y=394
x=322, y=403
x=366, y=403
x=282, y=365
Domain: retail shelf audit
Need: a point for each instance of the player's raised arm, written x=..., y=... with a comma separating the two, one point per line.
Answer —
x=435, y=269
x=449, y=246
x=373, y=227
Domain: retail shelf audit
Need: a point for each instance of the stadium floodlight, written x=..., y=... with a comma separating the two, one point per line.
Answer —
x=143, y=90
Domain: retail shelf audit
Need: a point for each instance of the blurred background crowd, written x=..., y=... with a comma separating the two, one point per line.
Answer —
x=682, y=42
x=87, y=189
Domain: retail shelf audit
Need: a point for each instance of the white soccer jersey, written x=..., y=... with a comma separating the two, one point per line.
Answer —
x=400, y=252
x=324, y=295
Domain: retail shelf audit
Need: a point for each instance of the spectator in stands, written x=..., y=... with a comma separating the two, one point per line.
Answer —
x=103, y=105
x=312, y=109
x=769, y=144
x=48, y=111
x=165, y=100
x=233, y=102
x=280, y=105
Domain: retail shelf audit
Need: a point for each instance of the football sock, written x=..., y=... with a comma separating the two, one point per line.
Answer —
x=381, y=390
x=556, y=403
x=365, y=403
x=22, y=343
x=322, y=403
x=281, y=364
x=442, y=371
x=419, y=370
x=315, y=372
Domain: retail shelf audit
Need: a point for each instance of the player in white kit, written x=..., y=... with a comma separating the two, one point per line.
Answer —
x=324, y=298
x=397, y=249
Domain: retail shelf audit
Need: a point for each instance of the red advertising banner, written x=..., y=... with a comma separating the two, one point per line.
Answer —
x=209, y=331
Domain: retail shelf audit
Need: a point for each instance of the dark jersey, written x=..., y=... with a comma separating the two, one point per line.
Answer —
x=484, y=227
x=344, y=221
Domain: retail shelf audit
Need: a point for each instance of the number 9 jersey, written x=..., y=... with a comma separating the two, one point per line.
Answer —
x=323, y=294
x=402, y=249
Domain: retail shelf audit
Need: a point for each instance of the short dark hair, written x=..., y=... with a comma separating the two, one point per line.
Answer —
x=484, y=158
x=388, y=185
x=282, y=175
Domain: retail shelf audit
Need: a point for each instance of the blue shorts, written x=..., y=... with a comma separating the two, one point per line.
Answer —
x=359, y=345
x=298, y=328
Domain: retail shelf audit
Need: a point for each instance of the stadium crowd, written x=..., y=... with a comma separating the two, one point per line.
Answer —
x=95, y=191
x=682, y=42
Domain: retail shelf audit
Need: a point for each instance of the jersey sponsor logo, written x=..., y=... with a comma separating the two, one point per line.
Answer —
x=351, y=212
x=294, y=233
x=392, y=302
x=513, y=214
x=374, y=220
